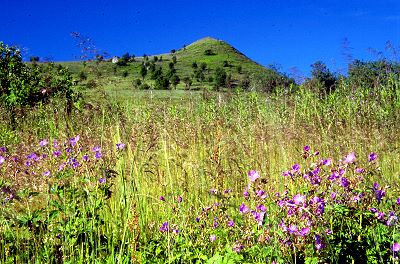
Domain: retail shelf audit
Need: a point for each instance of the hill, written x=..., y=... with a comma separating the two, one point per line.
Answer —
x=197, y=62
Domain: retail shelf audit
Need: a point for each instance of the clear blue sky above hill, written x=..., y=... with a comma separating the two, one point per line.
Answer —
x=287, y=33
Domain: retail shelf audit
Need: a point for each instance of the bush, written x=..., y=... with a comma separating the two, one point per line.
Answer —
x=24, y=85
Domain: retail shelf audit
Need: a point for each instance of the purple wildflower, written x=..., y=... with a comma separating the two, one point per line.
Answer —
x=98, y=155
x=102, y=180
x=43, y=143
x=379, y=194
x=55, y=144
x=261, y=208
x=350, y=158
x=295, y=168
x=230, y=223
x=213, y=238
x=96, y=149
x=292, y=229
x=359, y=170
x=215, y=224
x=304, y=231
x=162, y=198
x=395, y=247
x=373, y=210
x=299, y=199
x=120, y=146
x=398, y=201
x=56, y=153
x=164, y=227
x=46, y=173
x=246, y=194
x=243, y=209
x=372, y=156
x=74, y=140
x=306, y=148
x=344, y=182
x=180, y=199
x=318, y=242
x=261, y=193
x=326, y=162
x=253, y=175
x=85, y=157
x=237, y=247
x=213, y=191
x=3, y=149
x=2, y=160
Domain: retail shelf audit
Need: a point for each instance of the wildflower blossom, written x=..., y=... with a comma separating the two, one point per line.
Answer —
x=243, y=209
x=102, y=180
x=299, y=199
x=304, y=231
x=350, y=158
x=98, y=155
x=318, y=242
x=213, y=238
x=295, y=168
x=253, y=175
x=395, y=247
x=306, y=148
x=164, y=227
x=46, y=173
x=372, y=156
x=230, y=223
x=43, y=143
x=180, y=199
x=344, y=182
x=162, y=198
x=2, y=160
x=120, y=146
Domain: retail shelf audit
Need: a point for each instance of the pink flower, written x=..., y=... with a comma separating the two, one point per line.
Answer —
x=395, y=247
x=350, y=158
x=253, y=175
x=298, y=199
x=213, y=238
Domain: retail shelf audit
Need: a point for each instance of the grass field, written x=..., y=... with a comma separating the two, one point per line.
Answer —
x=169, y=194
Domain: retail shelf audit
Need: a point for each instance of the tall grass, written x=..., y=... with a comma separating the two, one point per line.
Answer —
x=179, y=149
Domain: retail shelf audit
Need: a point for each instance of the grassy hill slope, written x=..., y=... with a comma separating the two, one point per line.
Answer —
x=214, y=53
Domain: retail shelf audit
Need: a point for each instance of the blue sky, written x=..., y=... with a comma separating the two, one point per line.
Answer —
x=286, y=33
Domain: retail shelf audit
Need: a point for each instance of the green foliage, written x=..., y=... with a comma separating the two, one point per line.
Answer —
x=26, y=85
x=161, y=83
x=208, y=52
x=219, y=78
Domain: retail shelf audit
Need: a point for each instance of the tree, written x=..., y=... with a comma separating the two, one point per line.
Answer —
x=174, y=60
x=23, y=85
x=321, y=73
x=155, y=58
x=162, y=83
x=219, y=78
x=188, y=81
x=34, y=59
x=194, y=65
x=143, y=71
x=239, y=69
x=175, y=80
x=123, y=61
x=208, y=52
x=173, y=51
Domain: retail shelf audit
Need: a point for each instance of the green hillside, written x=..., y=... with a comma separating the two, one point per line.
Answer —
x=207, y=53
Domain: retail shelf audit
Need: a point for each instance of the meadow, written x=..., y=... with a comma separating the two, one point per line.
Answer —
x=172, y=177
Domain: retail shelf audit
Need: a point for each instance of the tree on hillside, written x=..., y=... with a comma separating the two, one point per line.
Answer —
x=155, y=58
x=194, y=65
x=174, y=60
x=175, y=80
x=162, y=83
x=188, y=82
x=219, y=78
x=143, y=71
